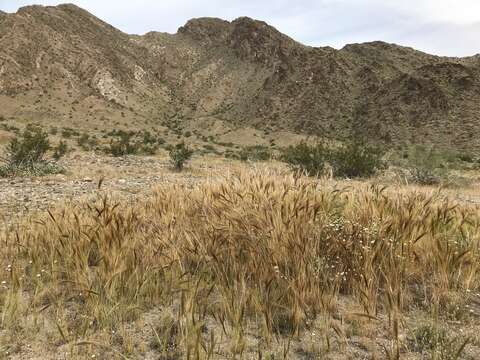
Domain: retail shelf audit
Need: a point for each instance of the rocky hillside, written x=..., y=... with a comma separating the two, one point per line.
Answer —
x=62, y=64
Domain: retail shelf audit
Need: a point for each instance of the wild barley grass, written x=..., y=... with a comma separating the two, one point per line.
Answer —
x=274, y=255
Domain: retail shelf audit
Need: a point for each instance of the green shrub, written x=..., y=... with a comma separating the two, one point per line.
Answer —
x=148, y=138
x=148, y=149
x=82, y=141
x=466, y=157
x=69, y=132
x=255, y=153
x=25, y=155
x=427, y=165
x=356, y=159
x=179, y=155
x=351, y=159
x=209, y=147
x=129, y=143
x=60, y=150
x=424, y=176
x=122, y=146
x=87, y=142
x=30, y=147
x=310, y=159
x=42, y=168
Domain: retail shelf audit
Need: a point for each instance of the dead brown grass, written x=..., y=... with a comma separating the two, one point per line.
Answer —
x=256, y=265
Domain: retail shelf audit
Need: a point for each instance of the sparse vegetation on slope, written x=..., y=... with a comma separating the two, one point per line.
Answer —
x=244, y=73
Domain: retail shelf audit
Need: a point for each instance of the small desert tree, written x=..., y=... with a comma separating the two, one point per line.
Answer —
x=179, y=155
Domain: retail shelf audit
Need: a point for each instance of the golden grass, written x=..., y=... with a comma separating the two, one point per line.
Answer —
x=239, y=265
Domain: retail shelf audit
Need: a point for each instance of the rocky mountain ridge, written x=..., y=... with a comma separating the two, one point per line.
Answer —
x=64, y=64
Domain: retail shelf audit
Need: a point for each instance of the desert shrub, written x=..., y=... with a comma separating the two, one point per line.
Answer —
x=355, y=159
x=26, y=155
x=466, y=157
x=30, y=147
x=87, y=142
x=254, y=153
x=209, y=147
x=229, y=154
x=67, y=133
x=303, y=157
x=82, y=141
x=148, y=138
x=123, y=145
x=351, y=159
x=226, y=144
x=148, y=149
x=10, y=128
x=424, y=176
x=148, y=143
x=130, y=143
x=179, y=155
x=60, y=150
x=427, y=165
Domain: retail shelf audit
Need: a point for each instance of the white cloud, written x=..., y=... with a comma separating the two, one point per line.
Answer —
x=443, y=27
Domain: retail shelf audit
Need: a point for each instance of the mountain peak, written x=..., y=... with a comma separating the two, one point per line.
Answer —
x=58, y=10
x=36, y=8
x=207, y=29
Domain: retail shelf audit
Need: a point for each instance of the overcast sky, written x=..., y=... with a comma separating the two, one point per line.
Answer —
x=442, y=27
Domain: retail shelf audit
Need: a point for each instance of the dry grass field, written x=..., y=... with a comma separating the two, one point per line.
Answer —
x=251, y=262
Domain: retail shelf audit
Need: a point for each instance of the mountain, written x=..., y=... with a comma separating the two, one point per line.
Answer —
x=63, y=65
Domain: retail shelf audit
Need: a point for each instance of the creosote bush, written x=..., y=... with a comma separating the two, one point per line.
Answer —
x=258, y=253
x=179, y=155
x=349, y=160
x=130, y=143
x=26, y=155
x=307, y=158
x=356, y=159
